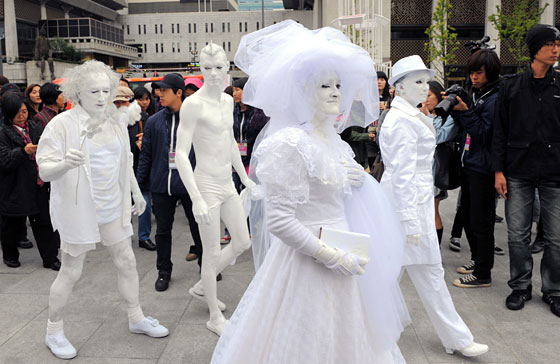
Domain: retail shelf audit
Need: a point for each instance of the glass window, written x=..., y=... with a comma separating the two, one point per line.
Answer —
x=224, y=45
x=240, y=26
x=144, y=28
x=229, y=46
x=228, y=28
x=139, y=29
x=161, y=28
x=127, y=29
x=195, y=46
x=190, y=46
x=172, y=28
x=206, y=26
x=84, y=28
x=189, y=27
x=178, y=31
x=145, y=48
x=245, y=27
x=173, y=47
x=257, y=25
x=211, y=27
x=194, y=28
x=161, y=47
x=63, y=28
x=155, y=25
x=157, y=49
x=178, y=48
x=223, y=27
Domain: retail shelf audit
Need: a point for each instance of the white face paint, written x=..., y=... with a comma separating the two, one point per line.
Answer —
x=414, y=87
x=94, y=95
x=327, y=98
x=214, y=68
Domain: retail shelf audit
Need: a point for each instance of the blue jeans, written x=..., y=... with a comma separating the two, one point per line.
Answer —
x=519, y=217
x=145, y=220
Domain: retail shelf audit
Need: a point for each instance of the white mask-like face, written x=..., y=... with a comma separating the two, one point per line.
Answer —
x=414, y=87
x=327, y=98
x=94, y=96
x=214, y=68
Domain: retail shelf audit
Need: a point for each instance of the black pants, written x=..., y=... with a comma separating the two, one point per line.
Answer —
x=478, y=209
x=457, y=229
x=164, y=211
x=47, y=240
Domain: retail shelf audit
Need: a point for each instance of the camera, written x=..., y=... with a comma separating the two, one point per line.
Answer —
x=444, y=108
x=475, y=45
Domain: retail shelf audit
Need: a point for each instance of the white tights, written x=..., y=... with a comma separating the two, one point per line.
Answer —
x=71, y=270
x=214, y=259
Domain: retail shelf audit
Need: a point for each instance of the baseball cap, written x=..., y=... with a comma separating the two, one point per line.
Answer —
x=123, y=94
x=171, y=80
x=9, y=87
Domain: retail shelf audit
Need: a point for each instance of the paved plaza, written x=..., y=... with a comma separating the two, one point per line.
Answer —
x=96, y=321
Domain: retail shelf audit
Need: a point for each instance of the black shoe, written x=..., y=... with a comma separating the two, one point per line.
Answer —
x=162, y=282
x=12, y=263
x=498, y=250
x=516, y=300
x=470, y=281
x=25, y=244
x=147, y=244
x=219, y=277
x=554, y=302
x=498, y=219
x=537, y=246
x=54, y=265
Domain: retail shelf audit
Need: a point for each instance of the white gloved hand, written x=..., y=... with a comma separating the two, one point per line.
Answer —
x=200, y=211
x=341, y=262
x=254, y=191
x=74, y=158
x=355, y=173
x=413, y=239
x=139, y=204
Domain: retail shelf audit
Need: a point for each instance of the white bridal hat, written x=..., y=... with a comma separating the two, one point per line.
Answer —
x=408, y=65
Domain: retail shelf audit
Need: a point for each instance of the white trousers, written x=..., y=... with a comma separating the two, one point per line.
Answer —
x=428, y=279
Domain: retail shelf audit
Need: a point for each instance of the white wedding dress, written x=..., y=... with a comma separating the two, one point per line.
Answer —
x=297, y=311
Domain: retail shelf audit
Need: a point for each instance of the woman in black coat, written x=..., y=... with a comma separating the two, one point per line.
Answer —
x=22, y=193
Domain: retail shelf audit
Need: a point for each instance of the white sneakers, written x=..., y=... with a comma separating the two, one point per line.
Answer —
x=474, y=349
x=148, y=326
x=217, y=326
x=60, y=346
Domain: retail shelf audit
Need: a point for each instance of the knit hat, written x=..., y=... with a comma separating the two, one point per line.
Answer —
x=538, y=35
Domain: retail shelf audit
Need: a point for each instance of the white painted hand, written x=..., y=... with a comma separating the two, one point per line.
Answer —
x=139, y=204
x=413, y=239
x=74, y=158
x=200, y=212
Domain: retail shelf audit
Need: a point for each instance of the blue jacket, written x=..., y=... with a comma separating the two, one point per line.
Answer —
x=478, y=123
x=153, y=172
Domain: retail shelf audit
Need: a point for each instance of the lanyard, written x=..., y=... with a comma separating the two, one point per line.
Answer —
x=241, y=127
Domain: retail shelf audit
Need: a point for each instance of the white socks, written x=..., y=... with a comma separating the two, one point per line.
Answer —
x=135, y=314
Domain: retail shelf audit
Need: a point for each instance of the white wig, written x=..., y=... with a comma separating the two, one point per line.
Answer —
x=76, y=78
x=212, y=50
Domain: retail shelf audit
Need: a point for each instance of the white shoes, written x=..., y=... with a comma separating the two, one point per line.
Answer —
x=474, y=349
x=60, y=346
x=217, y=326
x=201, y=297
x=148, y=326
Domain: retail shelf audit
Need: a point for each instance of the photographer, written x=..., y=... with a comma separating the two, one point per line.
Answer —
x=476, y=117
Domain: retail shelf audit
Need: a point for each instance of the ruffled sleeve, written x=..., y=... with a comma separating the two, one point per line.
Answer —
x=281, y=167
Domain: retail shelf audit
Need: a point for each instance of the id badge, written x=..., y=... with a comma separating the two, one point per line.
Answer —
x=242, y=149
x=172, y=164
x=468, y=142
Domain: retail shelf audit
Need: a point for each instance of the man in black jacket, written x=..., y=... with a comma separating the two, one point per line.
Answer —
x=526, y=155
x=476, y=117
x=157, y=170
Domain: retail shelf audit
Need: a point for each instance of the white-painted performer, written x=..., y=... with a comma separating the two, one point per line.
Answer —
x=310, y=302
x=407, y=141
x=207, y=125
x=85, y=154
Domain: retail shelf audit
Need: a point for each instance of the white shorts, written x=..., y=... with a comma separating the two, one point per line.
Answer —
x=111, y=233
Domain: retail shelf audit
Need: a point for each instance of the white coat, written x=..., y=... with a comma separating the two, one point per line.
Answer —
x=407, y=142
x=75, y=217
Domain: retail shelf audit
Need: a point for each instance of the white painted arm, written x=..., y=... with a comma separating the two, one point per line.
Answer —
x=189, y=117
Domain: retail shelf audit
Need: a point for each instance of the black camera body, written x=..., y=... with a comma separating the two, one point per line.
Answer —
x=476, y=45
x=445, y=107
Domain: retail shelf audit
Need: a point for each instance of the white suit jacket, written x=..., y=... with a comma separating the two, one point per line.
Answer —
x=75, y=217
x=407, y=142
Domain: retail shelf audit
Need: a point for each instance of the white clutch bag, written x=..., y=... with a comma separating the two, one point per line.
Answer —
x=347, y=241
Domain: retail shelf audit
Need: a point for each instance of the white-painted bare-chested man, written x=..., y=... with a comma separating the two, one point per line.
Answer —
x=207, y=124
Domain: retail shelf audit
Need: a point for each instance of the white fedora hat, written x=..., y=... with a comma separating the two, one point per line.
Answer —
x=408, y=65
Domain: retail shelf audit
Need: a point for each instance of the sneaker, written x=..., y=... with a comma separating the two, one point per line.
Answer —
x=498, y=219
x=498, y=250
x=60, y=346
x=455, y=244
x=474, y=349
x=191, y=256
x=516, y=299
x=467, y=268
x=225, y=240
x=147, y=244
x=25, y=244
x=554, y=302
x=148, y=326
x=162, y=282
x=470, y=281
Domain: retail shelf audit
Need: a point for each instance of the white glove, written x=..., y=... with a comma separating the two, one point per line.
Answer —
x=50, y=171
x=355, y=173
x=413, y=239
x=139, y=204
x=342, y=263
x=74, y=158
x=200, y=211
x=254, y=191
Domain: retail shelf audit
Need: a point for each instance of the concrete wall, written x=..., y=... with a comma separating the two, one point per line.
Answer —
x=33, y=73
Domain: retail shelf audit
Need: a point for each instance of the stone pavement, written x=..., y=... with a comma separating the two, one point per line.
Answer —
x=96, y=321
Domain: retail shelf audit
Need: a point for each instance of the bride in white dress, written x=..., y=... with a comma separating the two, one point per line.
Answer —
x=310, y=303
